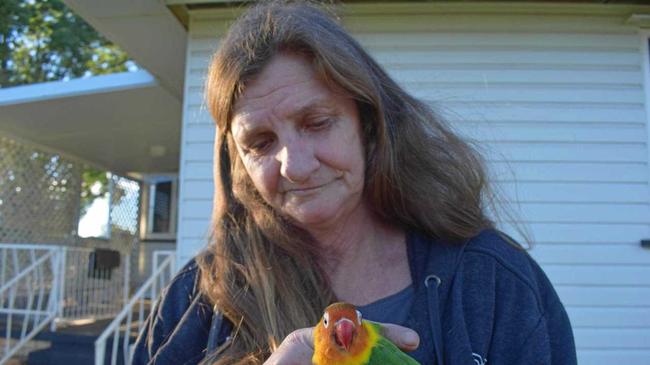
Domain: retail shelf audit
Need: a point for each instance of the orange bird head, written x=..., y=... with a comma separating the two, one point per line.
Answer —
x=341, y=327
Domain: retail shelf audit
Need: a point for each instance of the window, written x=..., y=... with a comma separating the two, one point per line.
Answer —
x=159, y=218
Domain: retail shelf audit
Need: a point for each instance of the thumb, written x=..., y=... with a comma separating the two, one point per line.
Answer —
x=405, y=338
x=303, y=336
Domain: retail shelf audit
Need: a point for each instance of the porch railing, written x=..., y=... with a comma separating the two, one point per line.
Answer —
x=29, y=292
x=45, y=284
x=121, y=332
x=90, y=289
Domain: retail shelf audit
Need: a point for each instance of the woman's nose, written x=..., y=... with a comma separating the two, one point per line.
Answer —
x=297, y=161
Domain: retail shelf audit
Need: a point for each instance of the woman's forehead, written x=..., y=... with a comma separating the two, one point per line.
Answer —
x=283, y=70
x=286, y=88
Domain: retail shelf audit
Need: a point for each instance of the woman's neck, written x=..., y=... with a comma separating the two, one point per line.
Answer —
x=364, y=258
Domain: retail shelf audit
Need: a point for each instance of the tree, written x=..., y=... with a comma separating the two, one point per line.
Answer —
x=43, y=40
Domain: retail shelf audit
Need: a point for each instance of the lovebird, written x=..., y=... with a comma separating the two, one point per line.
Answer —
x=342, y=337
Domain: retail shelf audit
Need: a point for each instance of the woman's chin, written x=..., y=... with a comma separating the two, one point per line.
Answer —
x=311, y=219
x=322, y=215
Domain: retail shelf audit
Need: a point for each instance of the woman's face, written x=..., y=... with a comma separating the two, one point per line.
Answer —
x=300, y=143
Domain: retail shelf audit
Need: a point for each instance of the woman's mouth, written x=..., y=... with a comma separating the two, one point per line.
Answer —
x=306, y=190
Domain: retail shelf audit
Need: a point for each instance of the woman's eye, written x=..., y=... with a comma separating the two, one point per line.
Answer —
x=319, y=124
x=259, y=147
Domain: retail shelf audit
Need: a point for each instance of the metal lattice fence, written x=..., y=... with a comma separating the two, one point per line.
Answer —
x=39, y=195
x=124, y=212
x=41, y=200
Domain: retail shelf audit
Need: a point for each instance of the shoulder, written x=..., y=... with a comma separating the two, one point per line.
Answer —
x=178, y=325
x=181, y=291
x=508, y=304
x=513, y=271
x=186, y=279
x=181, y=303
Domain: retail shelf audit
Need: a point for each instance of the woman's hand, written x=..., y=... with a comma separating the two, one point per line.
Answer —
x=298, y=347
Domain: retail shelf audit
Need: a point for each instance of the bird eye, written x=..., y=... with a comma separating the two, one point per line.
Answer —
x=359, y=317
x=326, y=319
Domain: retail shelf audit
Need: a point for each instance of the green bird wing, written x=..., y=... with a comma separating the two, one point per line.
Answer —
x=385, y=352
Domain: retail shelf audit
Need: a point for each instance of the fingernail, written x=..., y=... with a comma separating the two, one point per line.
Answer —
x=409, y=338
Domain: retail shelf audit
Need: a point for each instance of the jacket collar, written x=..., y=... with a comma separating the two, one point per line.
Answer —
x=433, y=263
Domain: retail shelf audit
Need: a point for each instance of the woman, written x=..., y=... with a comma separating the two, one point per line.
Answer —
x=332, y=183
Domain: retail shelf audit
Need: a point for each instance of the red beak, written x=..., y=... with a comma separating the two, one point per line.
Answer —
x=344, y=332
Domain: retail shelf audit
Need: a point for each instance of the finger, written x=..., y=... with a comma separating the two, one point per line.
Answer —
x=296, y=348
x=304, y=336
x=405, y=338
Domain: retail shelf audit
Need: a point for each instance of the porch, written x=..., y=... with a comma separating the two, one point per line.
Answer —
x=87, y=200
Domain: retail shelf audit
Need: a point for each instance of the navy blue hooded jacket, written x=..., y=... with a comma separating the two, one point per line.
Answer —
x=482, y=302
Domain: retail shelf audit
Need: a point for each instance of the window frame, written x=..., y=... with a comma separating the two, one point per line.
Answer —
x=146, y=219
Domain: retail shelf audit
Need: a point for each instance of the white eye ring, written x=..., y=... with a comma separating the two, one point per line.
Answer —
x=326, y=320
x=359, y=317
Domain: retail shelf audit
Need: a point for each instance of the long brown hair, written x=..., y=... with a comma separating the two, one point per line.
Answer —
x=261, y=271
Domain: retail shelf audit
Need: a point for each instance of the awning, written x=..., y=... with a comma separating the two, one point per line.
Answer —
x=123, y=122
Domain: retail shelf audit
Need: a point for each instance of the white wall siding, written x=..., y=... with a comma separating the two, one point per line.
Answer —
x=555, y=102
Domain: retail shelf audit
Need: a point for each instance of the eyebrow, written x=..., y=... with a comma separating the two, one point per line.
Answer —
x=313, y=106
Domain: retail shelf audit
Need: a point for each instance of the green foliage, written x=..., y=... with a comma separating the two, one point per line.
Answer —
x=43, y=40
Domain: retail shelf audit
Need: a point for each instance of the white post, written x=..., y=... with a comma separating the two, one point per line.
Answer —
x=2, y=270
x=62, y=278
x=100, y=352
x=58, y=285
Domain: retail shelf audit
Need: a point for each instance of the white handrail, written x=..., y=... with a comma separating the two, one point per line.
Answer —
x=113, y=329
x=30, y=246
x=23, y=285
x=25, y=272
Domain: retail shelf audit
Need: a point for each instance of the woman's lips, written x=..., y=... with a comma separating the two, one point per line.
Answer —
x=304, y=191
x=308, y=190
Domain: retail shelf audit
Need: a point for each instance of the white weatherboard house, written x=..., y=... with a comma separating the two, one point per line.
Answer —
x=557, y=93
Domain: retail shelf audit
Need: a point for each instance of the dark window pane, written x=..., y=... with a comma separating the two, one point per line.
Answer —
x=162, y=207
